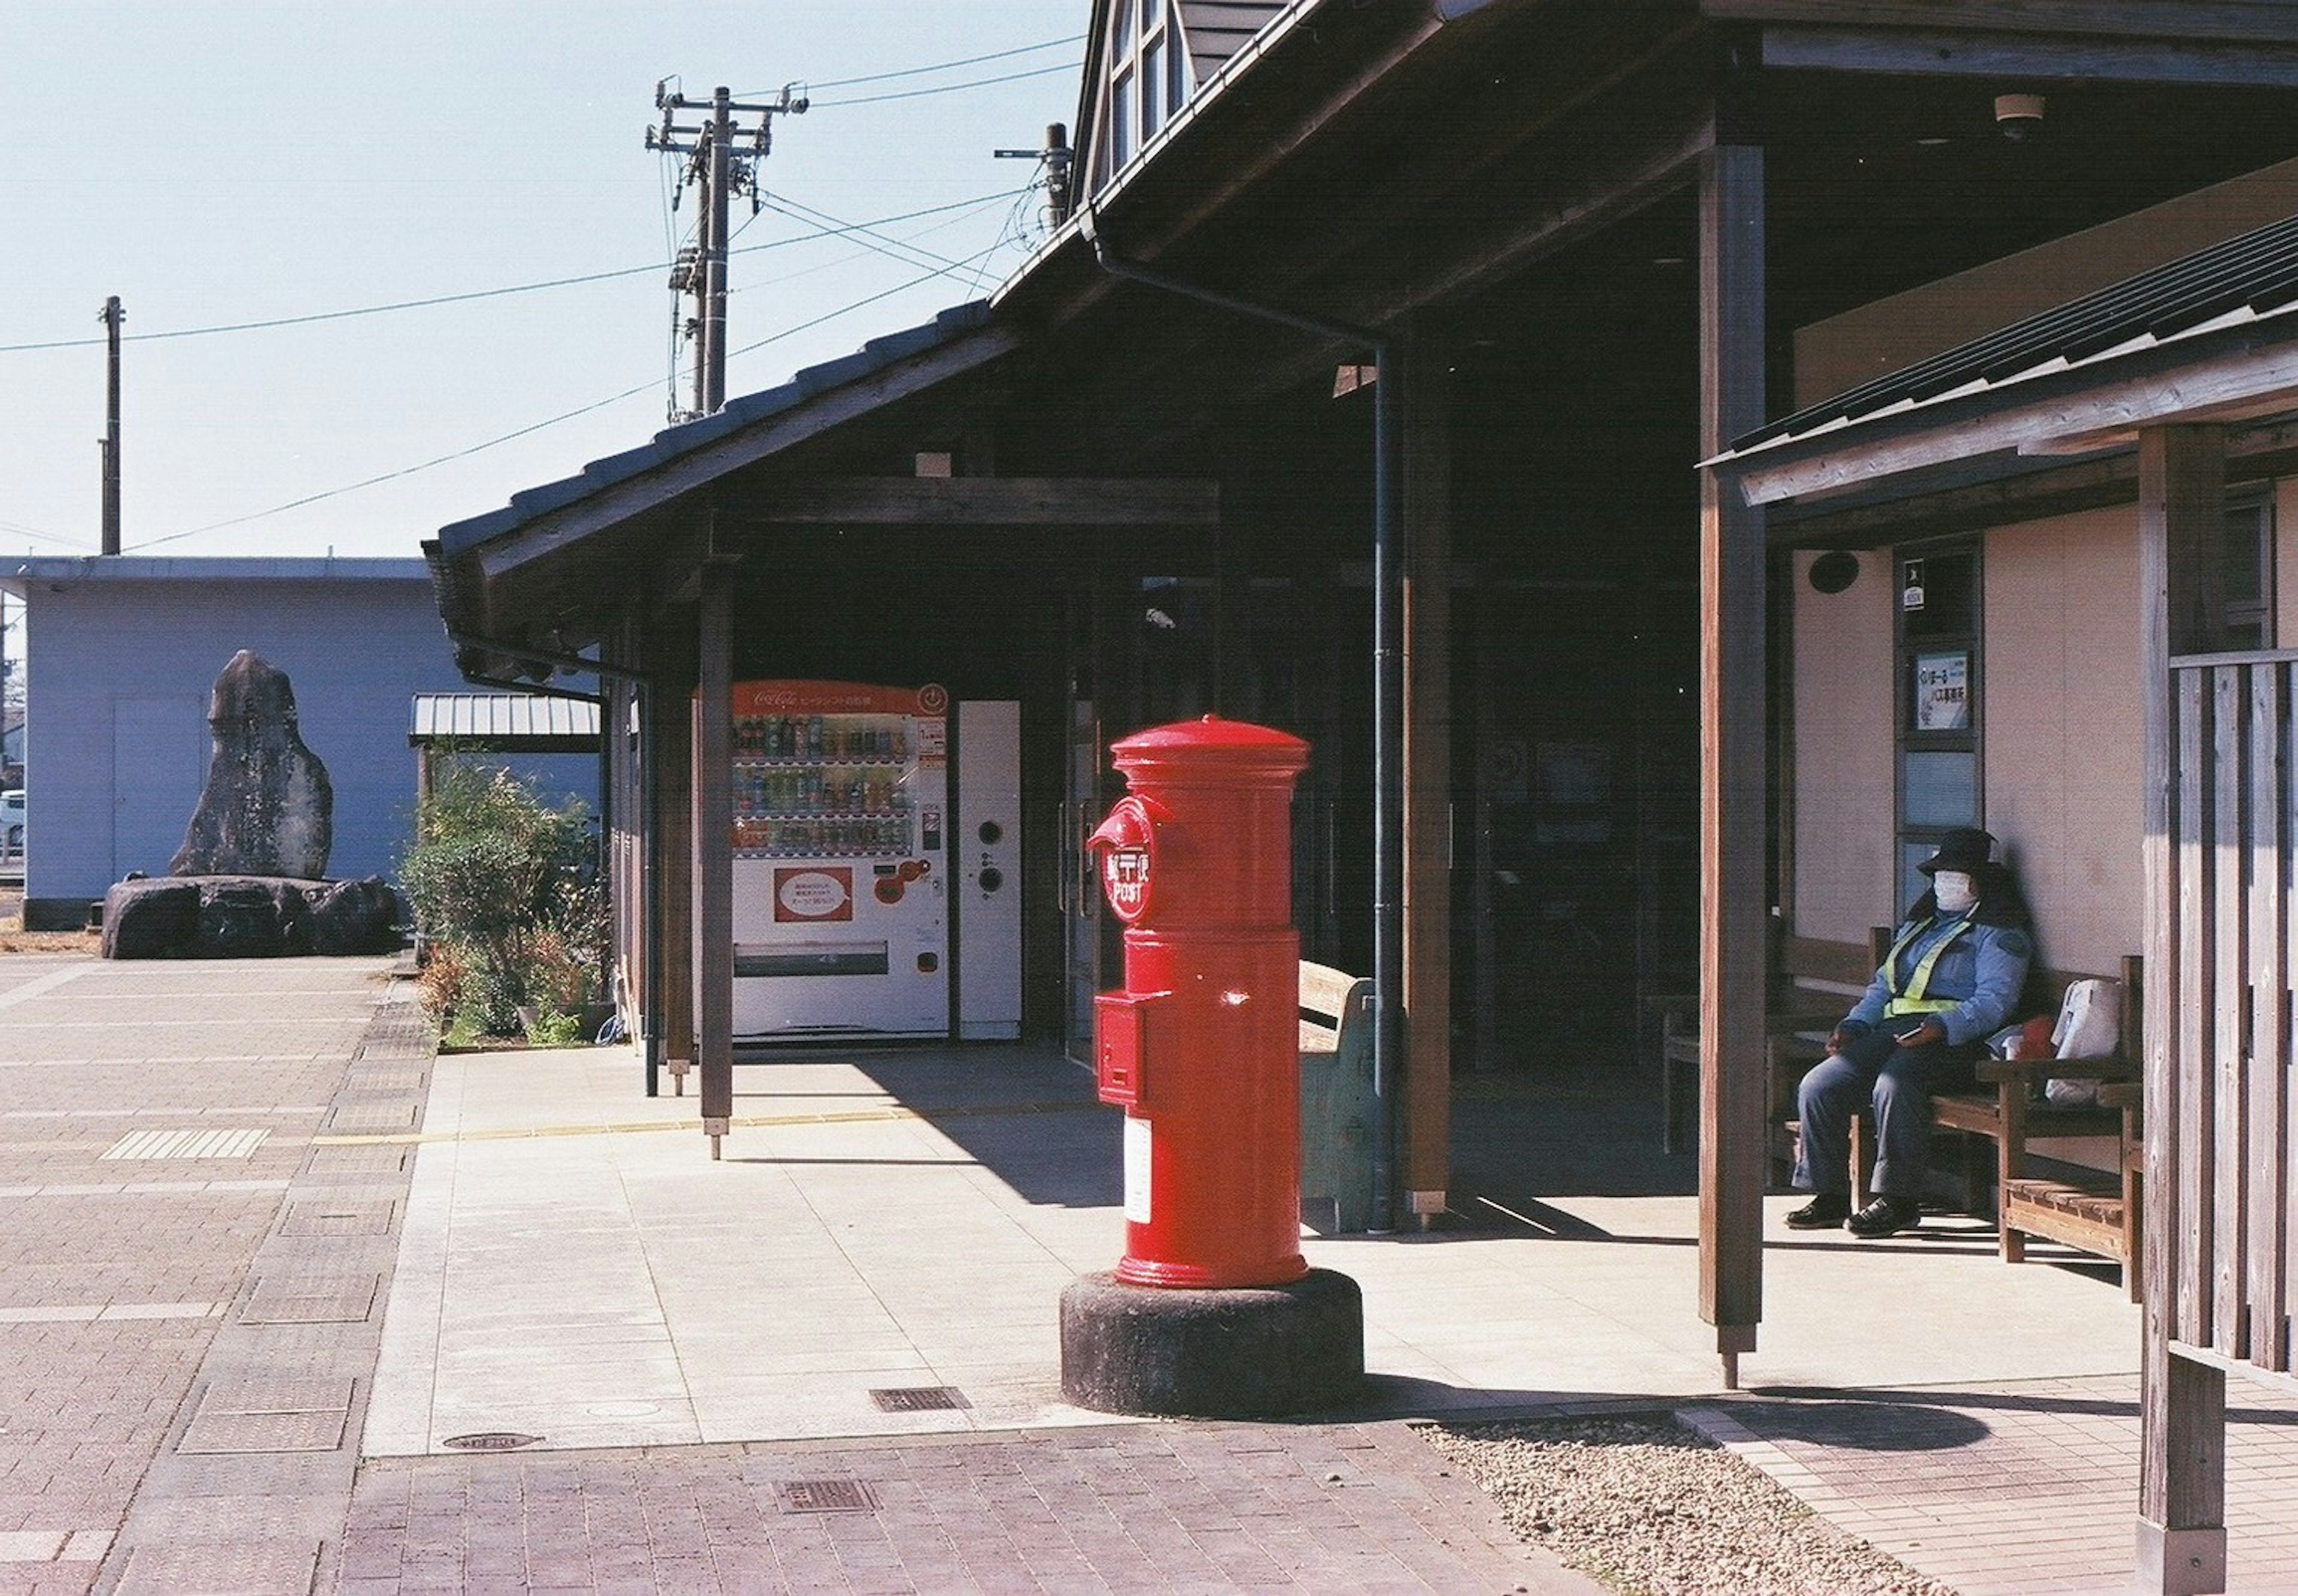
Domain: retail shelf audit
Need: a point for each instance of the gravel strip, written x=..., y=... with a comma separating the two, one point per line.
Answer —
x=1652, y=1509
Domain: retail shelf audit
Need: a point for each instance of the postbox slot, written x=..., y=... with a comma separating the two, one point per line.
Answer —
x=1121, y=1031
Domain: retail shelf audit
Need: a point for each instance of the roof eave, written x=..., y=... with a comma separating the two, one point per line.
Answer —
x=2222, y=376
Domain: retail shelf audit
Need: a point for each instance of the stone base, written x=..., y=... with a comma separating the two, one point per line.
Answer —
x=240, y=917
x=1254, y=1352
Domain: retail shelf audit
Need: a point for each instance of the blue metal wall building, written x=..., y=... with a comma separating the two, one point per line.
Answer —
x=122, y=653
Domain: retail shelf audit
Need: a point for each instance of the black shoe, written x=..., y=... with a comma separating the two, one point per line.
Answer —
x=1885, y=1216
x=1824, y=1212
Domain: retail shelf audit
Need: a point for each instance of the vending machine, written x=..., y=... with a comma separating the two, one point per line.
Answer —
x=842, y=888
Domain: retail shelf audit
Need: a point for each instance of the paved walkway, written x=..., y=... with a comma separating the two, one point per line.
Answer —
x=166, y=1424
x=269, y=1261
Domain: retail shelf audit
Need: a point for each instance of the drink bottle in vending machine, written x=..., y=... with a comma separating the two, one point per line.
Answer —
x=841, y=884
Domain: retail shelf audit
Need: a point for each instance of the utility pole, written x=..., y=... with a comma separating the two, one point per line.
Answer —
x=1056, y=159
x=721, y=171
x=111, y=316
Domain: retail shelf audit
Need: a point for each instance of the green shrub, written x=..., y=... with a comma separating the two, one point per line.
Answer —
x=506, y=890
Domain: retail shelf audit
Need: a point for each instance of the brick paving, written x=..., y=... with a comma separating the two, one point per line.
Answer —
x=1168, y=1507
x=186, y=1341
x=118, y=1273
x=2010, y=1489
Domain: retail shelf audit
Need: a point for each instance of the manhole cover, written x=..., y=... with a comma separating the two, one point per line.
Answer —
x=491, y=1441
x=827, y=1496
x=918, y=1399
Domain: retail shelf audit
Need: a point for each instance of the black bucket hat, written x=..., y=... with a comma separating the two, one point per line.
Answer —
x=1966, y=848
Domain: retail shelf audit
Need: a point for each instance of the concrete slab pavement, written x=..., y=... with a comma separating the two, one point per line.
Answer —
x=264, y=1259
x=900, y=1225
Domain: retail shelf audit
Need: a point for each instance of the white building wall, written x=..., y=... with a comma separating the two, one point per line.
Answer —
x=2063, y=759
x=122, y=669
x=1846, y=789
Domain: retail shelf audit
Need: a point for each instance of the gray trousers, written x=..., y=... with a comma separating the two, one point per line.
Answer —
x=1874, y=1072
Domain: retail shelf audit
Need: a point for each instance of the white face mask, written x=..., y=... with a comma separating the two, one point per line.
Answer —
x=1955, y=890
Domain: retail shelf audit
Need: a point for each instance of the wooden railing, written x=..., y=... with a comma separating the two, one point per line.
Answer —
x=2229, y=1134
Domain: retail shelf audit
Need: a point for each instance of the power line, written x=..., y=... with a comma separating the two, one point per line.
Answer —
x=860, y=233
x=836, y=261
x=945, y=66
x=537, y=427
x=18, y=529
x=479, y=294
x=947, y=88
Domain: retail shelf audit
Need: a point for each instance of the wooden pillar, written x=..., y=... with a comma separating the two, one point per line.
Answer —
x=671, y=872
x=1428, y=499
x=713, y=851
x=1732, y=753
x=2182, y=1447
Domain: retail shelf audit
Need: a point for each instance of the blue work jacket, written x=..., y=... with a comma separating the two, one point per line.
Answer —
x=1983, y=969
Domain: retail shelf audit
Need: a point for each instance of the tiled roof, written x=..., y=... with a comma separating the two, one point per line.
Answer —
x=2245, y=279
x=669, y=444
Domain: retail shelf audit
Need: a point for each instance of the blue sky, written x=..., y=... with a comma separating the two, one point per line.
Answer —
x=222, y=161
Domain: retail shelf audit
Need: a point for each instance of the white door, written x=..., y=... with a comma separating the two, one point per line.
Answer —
x=986, y=851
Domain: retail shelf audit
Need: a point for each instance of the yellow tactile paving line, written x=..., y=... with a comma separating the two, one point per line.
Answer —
x=748, y=1122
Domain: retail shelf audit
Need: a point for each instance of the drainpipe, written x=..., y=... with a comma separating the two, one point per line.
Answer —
x=1387, y=698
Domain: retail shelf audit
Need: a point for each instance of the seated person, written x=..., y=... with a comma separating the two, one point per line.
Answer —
x=1951, y=980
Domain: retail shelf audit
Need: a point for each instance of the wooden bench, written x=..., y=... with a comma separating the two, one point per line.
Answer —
x=2006, y=1108
x=2010, y=1110
x=2096, y=1213
x=1814, y=982
x=1336, y=1102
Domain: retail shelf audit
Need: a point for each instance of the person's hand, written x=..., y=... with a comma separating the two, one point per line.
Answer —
x=1840, y=1037
x=1923, y=1034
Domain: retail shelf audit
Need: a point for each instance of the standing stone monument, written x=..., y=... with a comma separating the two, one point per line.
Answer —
x=246, y=883
x=268, y=808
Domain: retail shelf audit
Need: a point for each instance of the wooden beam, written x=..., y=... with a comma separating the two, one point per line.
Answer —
x=1734, y=1146
x=2168, y=385
x=2182, y=1458
x=990, y=501
x=2029, y=58
x=1427, y=504
x=2163, y=19
x=1979, y=493
x=1584, y=197
x=671, y=875
x=553, y=532
x=713, y=852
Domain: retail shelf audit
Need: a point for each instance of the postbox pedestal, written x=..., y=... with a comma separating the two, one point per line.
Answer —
x=1235, y=1351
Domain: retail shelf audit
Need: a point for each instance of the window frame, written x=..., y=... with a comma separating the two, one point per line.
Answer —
x=1911, y=838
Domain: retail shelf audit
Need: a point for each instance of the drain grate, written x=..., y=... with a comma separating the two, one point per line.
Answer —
x=403, y=1078
x=322, y=1216
x=826, y=1496
x=311, y=1300
x=918, y=1399
x=491, y=1441
x=371, y=1116
x=268, y=1416
x=356, y=1161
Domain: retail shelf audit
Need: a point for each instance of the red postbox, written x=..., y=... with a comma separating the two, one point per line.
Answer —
x=1202, y=1045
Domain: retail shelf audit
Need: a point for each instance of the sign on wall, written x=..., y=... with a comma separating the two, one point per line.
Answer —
x=1943, y=692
